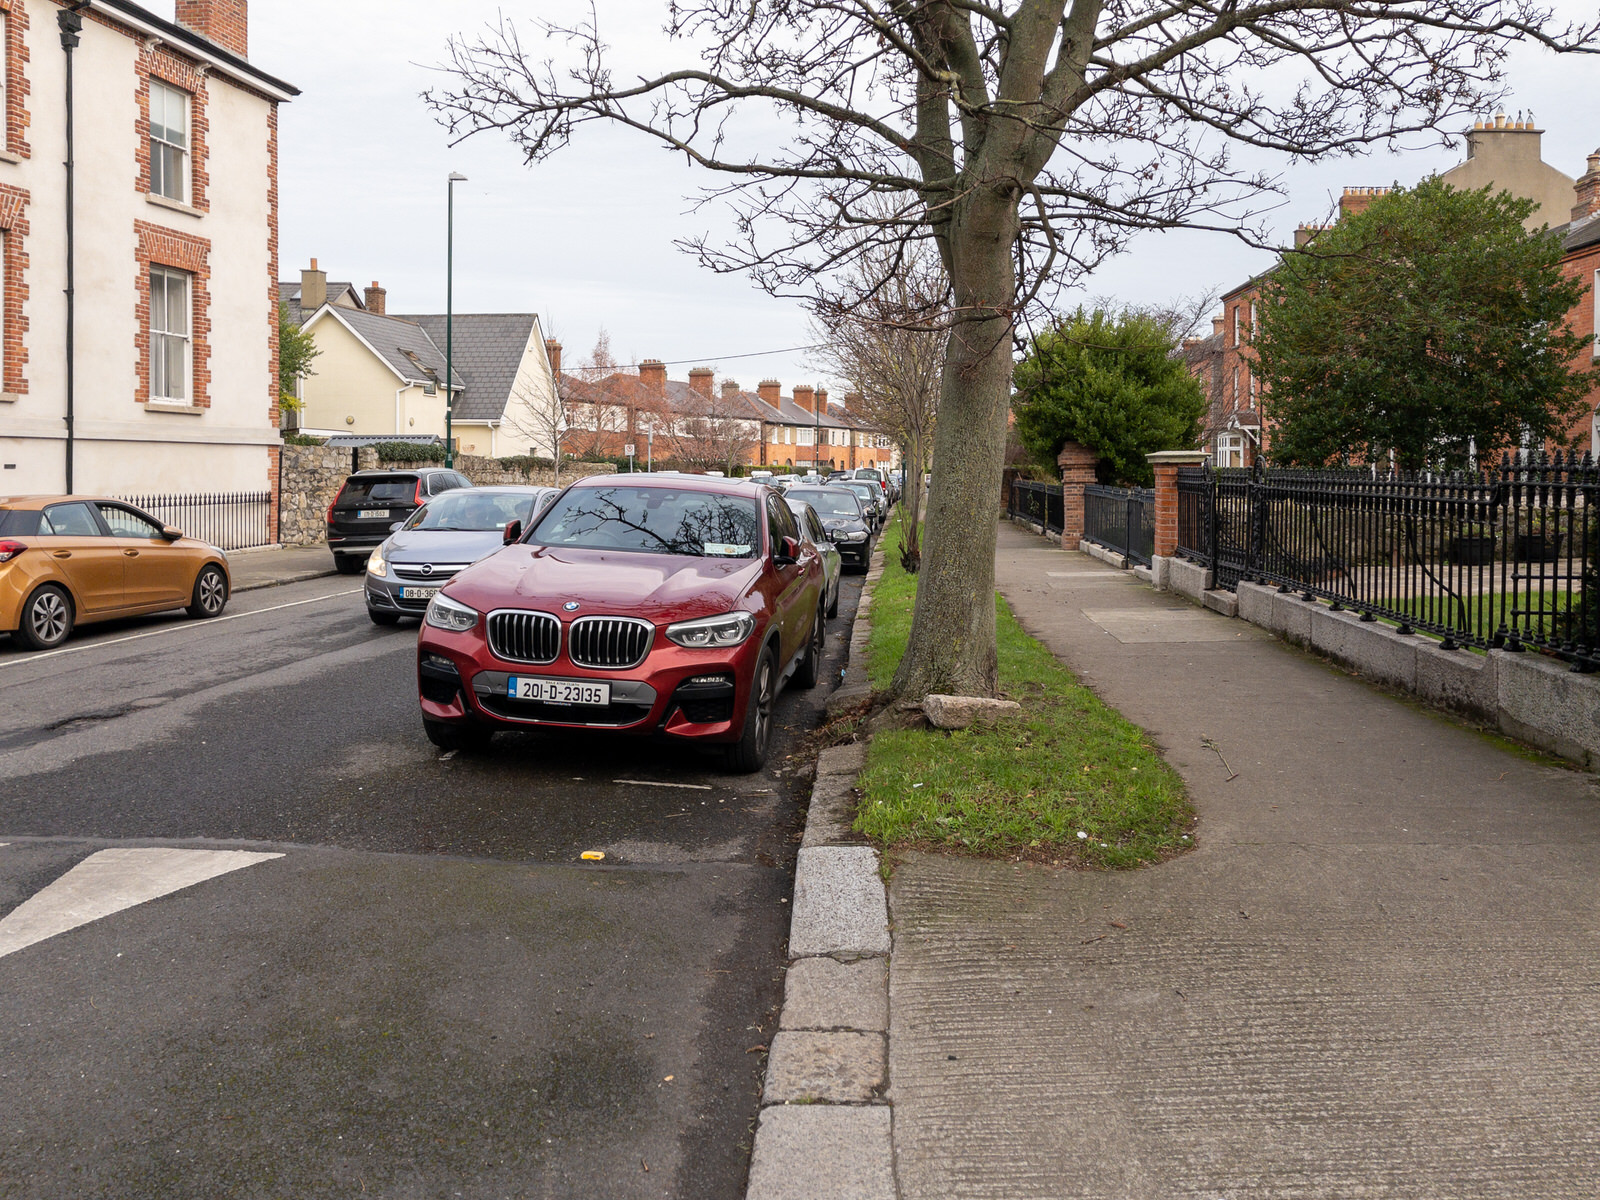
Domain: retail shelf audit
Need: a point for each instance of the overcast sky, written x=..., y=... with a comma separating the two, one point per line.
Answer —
x=585, y=239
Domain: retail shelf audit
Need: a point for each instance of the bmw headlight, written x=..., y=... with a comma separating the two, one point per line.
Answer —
x=707, y=633
x=375, y=563
x=445, y=613
x=858, y=535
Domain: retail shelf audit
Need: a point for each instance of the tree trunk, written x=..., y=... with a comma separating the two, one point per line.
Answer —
x=952, y=644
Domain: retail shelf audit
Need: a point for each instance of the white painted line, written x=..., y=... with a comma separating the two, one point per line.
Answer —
x=193, y=625
x=110, y=881
x=696, y=787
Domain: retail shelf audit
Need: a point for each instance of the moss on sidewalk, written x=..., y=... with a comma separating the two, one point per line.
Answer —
x=1066, y=780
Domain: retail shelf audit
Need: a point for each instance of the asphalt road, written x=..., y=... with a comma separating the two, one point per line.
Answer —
x=412, y=986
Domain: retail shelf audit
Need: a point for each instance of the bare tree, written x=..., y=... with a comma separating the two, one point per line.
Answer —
x=713, y=432
x=1026, y=139
x=890, y=347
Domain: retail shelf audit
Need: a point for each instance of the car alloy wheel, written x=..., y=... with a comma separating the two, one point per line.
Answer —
x=46, y=619
x=749, y=753
x=210, y=593
x=809, y=671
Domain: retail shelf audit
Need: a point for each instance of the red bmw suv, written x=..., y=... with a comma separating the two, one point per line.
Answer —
x=668, y=605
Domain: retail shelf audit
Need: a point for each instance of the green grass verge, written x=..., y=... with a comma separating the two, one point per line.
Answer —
x=1066, y=780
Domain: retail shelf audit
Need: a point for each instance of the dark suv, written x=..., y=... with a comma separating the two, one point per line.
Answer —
x=370, y=502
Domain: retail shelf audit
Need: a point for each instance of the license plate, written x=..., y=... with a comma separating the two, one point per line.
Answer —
x=367, y=514
x=411, y=593
x=558, y=691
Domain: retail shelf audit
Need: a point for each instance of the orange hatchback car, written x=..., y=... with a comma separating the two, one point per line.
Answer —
x=70, y=560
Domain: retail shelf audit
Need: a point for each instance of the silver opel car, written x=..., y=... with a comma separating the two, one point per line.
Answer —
x=447, y=534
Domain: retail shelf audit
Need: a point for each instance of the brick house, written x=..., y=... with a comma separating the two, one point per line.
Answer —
x=701, y=423
x=1500, y=152
x=172, y=384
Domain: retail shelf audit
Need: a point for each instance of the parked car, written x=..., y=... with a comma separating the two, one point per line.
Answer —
x=446, y=535
x=874, y=475
x=670, y=606
x=72, y=560
x=812, y=528
x=843, y=518
x=871, y=499
x=363, y=514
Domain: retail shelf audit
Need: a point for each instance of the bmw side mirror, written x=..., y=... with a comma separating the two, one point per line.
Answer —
x=512, y=533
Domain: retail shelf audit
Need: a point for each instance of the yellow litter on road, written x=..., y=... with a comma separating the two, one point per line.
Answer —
x=593, y=855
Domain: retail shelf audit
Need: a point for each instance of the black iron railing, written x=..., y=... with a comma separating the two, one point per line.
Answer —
x=1038, y=503
x=233, y=521
x=1121, y=519
x=1506, y=558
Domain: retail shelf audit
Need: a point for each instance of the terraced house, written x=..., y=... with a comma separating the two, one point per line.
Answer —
x=139, y=234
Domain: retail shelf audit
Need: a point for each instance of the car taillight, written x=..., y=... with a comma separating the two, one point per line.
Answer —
x=331, y=508
x=9, y=550
x=417, y=499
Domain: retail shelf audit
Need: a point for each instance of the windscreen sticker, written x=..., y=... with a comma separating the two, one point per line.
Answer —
x=726, y=550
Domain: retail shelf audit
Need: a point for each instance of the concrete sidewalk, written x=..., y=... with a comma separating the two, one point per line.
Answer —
x=252, y=569
x=1377, y=975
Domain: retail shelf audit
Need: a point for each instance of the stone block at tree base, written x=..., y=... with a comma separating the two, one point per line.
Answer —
x=958, y=712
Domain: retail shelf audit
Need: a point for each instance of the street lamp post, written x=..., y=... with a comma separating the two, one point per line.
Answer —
x=449, y=317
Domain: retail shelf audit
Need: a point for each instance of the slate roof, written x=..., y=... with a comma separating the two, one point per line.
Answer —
x=486, y=354
x=403, y=343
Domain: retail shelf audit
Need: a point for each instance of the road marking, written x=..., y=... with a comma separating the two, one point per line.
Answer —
x=698, y=787
x=134, y=637
x=109, y=881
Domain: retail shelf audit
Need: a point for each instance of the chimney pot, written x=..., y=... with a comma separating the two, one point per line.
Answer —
x=225, y=22
x=376, y=298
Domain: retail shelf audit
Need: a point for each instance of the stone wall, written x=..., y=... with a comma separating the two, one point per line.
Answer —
x=312, y=475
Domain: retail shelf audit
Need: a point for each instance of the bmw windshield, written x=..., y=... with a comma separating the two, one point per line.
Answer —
x=652, y=520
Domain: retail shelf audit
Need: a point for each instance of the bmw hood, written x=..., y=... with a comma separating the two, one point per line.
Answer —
x=658, y=587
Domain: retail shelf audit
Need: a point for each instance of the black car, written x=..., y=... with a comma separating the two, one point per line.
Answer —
x=848, y=527
x=370, y=502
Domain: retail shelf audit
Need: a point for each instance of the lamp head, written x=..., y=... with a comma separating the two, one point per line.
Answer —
x=457, y=177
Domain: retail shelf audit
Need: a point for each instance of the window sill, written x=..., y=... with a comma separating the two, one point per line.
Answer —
x=173, y=205
x=173, y=406
x=7, y=157
x=9, y=397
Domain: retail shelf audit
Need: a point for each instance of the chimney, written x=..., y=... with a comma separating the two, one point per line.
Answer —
x=805, y=396
x=769, y=390
x=313, y=289
x=1587, y=190
x=376, y=297
x=730, y=389
x=853, y=401
x=1358, y=199
x=822, y=399
x=653, y=374
x=700, y=380
x=1216, y=326
x=225, y=22
x=552, y=350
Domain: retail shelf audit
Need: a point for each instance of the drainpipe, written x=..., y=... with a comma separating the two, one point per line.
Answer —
x=71, y=25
